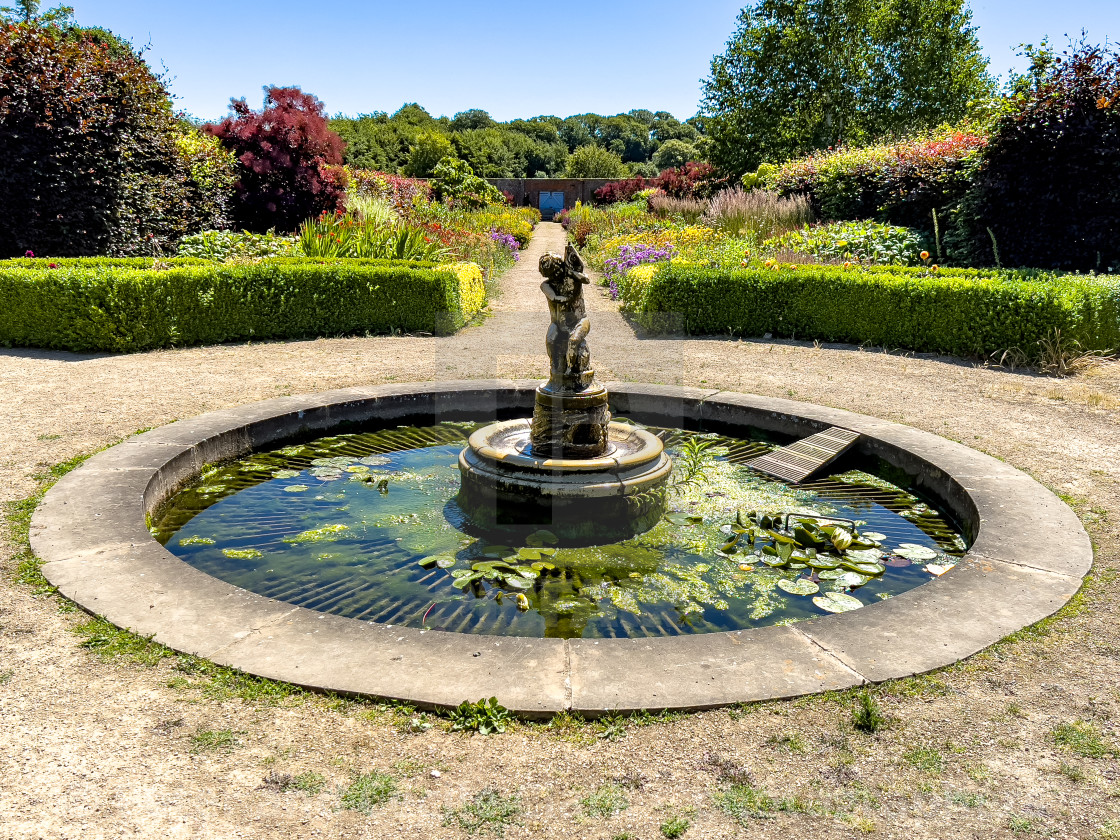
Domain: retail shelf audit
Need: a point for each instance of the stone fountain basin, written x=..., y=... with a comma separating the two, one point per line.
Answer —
x=90, y=532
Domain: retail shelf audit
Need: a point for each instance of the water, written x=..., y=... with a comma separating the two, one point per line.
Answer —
x=344, y=525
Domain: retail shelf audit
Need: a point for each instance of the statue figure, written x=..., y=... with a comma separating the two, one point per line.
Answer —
x=571, y=415
x=566, y=341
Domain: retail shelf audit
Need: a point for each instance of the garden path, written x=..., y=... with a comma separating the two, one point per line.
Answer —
x=94, y=748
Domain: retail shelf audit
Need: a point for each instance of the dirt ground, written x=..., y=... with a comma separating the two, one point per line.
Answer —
x=1020, y=741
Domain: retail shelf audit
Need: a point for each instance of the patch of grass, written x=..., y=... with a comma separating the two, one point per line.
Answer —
x=219, y=683
x=368, y=791
x=49, y=437
x=487, y=812
x=6, y=677
x=745, y=802
x=310, y=783
x=1081, y=738
x=214, y=740
x=1109, y=830
x=1020, y=824
x=979, y=773
x=926, y=759
x=675, y=827
x=624, y=835
x=1072, y=772
x=791, y=741
x=1015, y=710
x=923, y=687
x=867, y=715
x=966, y=798
x=606, y=801
x=859, y=823
x=109, y=641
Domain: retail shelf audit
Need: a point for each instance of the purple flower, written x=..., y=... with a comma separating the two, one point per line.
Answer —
x=633, y=255
x=612, y=290
x=29, y=254
x=508, y=240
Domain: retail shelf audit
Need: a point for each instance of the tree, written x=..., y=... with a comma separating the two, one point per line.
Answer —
x=27, y=11
x=284, y=155
x=674, y=153
x=429, y=148
x=92, y=159
x=454, y=183
x=800, y=75
x=594, y=162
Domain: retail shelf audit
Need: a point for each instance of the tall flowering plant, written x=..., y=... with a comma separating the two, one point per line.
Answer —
x=630, y=256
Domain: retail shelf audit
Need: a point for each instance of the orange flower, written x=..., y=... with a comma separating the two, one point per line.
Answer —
x=924, y=255
x=847, y=265
x=933, y=267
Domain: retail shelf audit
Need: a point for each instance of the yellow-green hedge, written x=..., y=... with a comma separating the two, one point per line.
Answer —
x=107, y=306
x=961, y=312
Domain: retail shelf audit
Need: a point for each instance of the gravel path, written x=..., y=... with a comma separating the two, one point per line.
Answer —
x=93, y=748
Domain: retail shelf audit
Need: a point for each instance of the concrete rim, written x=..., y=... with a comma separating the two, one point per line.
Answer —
x=90, y=532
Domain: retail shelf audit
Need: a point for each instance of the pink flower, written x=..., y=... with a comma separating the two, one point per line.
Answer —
x=29, y=254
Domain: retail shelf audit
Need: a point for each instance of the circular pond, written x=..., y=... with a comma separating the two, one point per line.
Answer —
x=92, y=533
x=367, y=526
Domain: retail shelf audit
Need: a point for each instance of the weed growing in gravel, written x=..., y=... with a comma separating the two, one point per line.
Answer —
x=926, y=759
x=214, y=739
x=745, y=802
x=867, y=716
x=368, y=791
x=1020, y=825
x=674, y=827
x=1072, y=772
x=484, y=717
x=790, y=741
x=108, y=641
x=624, y=835
x=606, y=801
x=611, y=727
x=310, y=783
x=966, y=798
x=1081, y=738
x=1109, y=830
x=488, y=812
x=6, y=677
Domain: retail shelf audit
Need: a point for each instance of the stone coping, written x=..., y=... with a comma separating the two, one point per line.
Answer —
x=90, y=532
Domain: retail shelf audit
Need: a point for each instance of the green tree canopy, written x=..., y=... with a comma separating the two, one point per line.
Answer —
x=595, y=162
x=428, y=150
x=800, y=75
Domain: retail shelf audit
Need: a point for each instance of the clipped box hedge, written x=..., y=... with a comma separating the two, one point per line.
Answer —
x=959, y=312
x=101, y=305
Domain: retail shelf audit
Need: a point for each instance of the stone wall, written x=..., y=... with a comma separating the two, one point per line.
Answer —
x=526, y=191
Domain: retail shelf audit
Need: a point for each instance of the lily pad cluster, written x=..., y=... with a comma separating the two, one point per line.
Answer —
x=509, y=568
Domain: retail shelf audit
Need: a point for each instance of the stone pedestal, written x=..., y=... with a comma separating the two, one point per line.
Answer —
x=570, y=425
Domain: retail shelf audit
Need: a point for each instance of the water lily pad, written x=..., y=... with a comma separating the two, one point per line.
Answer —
x=547, y=552
x=356, y=468
x=938, y=569
x=326, y=473
x=773, y=562
x=542, y=566
x=729, y=546
x=850, y=580
x=684, y=519
x=823, y=561
x=801, y=586
x=331, y=462
x=296, y=488
x=873, y=535
x=831, y=574
x=870, y=569
x=798, y=566
x=863, y=555
x=539, y=538
x=196, y=541
x=837, y=602
x=917, y=553
x=285, y=474
x=514, y=582
x=374, y=461
x=528, y=554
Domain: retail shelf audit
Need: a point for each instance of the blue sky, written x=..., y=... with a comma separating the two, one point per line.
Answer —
x=511, y=59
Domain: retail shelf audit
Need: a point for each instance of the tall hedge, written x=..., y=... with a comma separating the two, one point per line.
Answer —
x=963, y=313
x=125, y=309
x=89, y=157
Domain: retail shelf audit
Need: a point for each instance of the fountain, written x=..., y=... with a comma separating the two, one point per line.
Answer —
x=570, y=469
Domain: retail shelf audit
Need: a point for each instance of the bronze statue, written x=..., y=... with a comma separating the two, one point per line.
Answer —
x=566, y=341
x=571, y=415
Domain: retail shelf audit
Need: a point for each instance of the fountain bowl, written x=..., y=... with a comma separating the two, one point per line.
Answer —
x=506, y=485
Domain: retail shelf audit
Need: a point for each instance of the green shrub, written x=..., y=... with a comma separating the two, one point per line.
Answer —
x=224, y=245
x=865, y=242
x=124, y=309
x=455, y=183
x=963, y=312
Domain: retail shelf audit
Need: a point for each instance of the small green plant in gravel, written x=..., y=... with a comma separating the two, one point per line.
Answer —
x=484, y=717
x=926, y=759
x=108, y=641
x=606, y=801
x=214, y=739
x=611, y=727
x=745, y=802
x=675, y=827
x=1072, y=772
x=790, y=741
x=368, y=791
x=1020, y=824
x=867, y=715
x=1109, y=830
x=310, y=782
x=6, y=677
x=1081, y=738
x=487, y=812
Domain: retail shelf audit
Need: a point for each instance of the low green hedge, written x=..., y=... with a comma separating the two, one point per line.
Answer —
x=962, y=312
x=112, y=307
